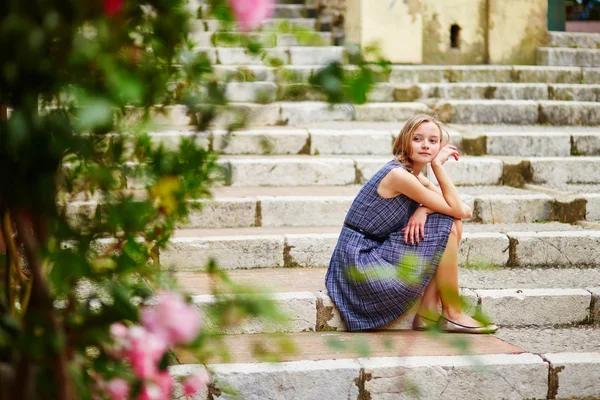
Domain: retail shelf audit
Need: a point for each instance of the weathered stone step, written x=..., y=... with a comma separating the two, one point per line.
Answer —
x=244, y=248
x=313, y=310
x=568, y=57
x=266, y=39
x=306, y=208
x=386, y=92
x=313, y=170
x=519, y=112
x=346, y=139
x=589, y=192
x=282, y=11
x=499, y=91
x=313, y=206
x=581, y=40
x=294, y=55
x=413, y=74
x=492, y=376
x=530, y=141
x=522, y=112
x=296, y=113
x=287, y=280
x=273, y=24
x=356, y=138
x=403, y=74
x=565, y=170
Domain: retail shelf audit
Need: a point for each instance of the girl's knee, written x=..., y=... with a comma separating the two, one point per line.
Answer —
x=457, y=228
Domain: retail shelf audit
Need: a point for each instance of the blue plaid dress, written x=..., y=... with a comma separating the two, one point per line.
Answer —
x=373, y=282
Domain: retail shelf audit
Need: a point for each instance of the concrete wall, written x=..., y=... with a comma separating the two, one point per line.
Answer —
x=395, y=26
x=419, y=31
x=517, y=29
x=439, y=16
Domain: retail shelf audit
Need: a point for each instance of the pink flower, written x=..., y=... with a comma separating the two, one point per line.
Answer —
x=251, y=13
x=151, y=391
x=172, y=319
x=195, y=382
x=112, y=7
x=119, y=333
x=145, y=351
x=164, y=382
x=117, y=389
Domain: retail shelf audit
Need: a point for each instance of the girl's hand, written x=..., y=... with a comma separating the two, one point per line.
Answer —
x=444, y=154
x=415, y=226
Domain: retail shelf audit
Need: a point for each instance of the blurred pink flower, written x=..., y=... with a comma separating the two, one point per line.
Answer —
x=173, y=319
x=112, y=7
x=151, y=391
x=195, y=382
x=145, y=351
x=249, y=14
x=157, y=389
x=117, y=389
x=118, y=333
x=165, y=383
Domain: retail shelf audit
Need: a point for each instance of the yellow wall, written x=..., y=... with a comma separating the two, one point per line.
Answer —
x=438, y=16
x=517, y=28
x=418, y=31
x=395, y=29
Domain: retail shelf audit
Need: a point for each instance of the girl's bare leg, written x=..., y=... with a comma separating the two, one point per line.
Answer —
x=430, y=300
x=446, y=278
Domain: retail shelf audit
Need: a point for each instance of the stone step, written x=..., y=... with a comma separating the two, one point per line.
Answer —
x=581, y=40
x=565, y=170
x=293, y=11
x=568, y=57
x=272, y=24
x=405, y=74
x=266, y=39
x=521, y=112
x=499, y=91
x=529, y=141
x=274, y=56
x=491, y=376
x=525, y=112
x=356, y=138
x=317, y=170
x=315, y=312
x=287, y=280
x=310, y=309
x=590, y=192
x=245, y=248
x=279, y=11
x=246, y=207
x=293, y=113
x=386, y=92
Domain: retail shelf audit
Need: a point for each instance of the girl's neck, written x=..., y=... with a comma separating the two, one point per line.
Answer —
x=417, y=168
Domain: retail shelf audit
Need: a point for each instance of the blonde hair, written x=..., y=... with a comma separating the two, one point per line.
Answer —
x=402, y=148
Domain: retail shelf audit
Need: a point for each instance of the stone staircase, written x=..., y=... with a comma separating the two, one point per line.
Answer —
x=529, y=258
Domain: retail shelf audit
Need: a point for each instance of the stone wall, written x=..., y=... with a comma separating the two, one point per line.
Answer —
x=445, y=31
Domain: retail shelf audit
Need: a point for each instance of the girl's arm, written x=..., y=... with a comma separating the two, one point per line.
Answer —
x=428, y=184
x=399, y=181
x=448, y=190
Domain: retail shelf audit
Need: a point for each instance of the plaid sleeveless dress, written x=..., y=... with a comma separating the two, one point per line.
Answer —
x=373, y=276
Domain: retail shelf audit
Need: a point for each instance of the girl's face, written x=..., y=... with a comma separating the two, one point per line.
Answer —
x=425, y=143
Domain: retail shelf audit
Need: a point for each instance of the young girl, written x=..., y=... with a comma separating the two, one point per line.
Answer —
x=400, y=240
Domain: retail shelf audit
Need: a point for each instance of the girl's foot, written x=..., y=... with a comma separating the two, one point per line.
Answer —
x=424, y=323
x=462, y=323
